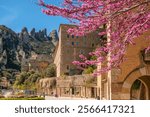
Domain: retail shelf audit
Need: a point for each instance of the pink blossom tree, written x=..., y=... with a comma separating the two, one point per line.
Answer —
x=127, y=18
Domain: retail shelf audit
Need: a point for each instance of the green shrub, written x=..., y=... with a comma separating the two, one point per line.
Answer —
x=27, y=80
x=88, y=70
x=25, y=98
x=50, y=71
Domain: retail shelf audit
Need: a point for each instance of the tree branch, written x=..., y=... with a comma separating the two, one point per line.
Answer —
x=128, y=9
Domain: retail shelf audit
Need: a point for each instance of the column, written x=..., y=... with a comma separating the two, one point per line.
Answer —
x=108, y=57
x=80, y=92
x=99, y=82
x=60, y=91
x=85, y=91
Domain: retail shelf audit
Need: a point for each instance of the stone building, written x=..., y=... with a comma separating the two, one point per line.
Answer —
x=82, y=86
x=132, y=79
x=46, y=86
x=70, y=47
x=37, y=62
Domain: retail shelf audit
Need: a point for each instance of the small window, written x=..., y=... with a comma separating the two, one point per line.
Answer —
x=92, y=44
x=67, y=67
x=77, y=36
x=67, y=36
x=77, y=43
x=72, y=43
x=72, y=36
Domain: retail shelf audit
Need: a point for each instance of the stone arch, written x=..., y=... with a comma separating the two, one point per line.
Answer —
x=127, y=84
x=146, y=87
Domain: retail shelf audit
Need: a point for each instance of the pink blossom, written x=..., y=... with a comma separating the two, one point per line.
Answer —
x=128, y=19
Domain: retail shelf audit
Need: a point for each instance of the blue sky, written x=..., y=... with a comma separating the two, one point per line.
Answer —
x=17, y=14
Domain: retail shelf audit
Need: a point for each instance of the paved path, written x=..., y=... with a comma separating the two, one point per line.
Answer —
x=6, y=93
x=66, y=98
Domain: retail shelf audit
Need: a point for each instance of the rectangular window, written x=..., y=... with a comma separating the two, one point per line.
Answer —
x=72, y=43
x=92, y=44
x=77, y=43
x=67, y=36
x=72, y=36
x=68, y=67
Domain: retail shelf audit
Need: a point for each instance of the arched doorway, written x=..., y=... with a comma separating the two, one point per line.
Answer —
x=137, y=85
x=140, y=89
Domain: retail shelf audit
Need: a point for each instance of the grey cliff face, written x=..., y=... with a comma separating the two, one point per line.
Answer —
x=54, y=37
x=8, y=47
x=3, y=59
x=32, y=33
x=1, y=45
x=24, y=35
x=14, y=48
x=39, y=41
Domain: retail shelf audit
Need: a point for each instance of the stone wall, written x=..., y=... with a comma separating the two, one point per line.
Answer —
x=135, y=66
x=69, y=86
x=70, y=47
x=134, y=61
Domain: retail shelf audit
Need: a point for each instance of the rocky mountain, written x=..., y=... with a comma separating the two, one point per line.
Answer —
x=15, y=47
x=40, y=42
x=54, y=37
x=9, y=49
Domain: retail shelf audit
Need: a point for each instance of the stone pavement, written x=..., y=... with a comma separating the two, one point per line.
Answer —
x=66, y=98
